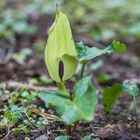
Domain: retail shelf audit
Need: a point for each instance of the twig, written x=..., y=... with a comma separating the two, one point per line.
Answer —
x=11, y=85
x=30, y=120
x=8, y=133
x=46, y=115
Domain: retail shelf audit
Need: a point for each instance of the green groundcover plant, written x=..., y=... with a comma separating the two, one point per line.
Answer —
x=62, y=56
x=111, y=94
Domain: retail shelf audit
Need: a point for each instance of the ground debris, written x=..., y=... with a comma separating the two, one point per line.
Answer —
x=42, y=137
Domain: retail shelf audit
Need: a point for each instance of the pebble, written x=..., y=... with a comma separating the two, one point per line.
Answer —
x=27, y=138
x=42, y=137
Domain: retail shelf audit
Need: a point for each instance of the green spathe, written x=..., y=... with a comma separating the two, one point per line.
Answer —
x=60, y=47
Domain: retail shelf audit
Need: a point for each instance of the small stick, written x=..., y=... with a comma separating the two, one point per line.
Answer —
x=11, y=85
x=8, y=133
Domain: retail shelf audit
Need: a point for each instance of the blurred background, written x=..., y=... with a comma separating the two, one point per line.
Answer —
x=23, y=36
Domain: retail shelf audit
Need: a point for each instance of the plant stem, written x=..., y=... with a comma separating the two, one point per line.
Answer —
x=82, y=70
x=136, y=112
x=61, y=86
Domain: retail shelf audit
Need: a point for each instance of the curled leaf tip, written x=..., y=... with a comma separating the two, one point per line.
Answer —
x=57, y=8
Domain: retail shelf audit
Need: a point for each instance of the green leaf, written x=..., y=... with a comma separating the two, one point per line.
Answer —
x=104, y=78
x=8, y=114
x=16, y=115
x=4, y=122
x=22, y=128
x=116, y=46
x=81, y=107
x=131, y=88
x=110, y=96
x=62, y=138
x=81, y=86
x=112, y=93
x=85, y=53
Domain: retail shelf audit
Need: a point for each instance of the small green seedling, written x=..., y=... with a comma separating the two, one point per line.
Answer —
x=62, y=56
x=11, y=116
x=111, y=94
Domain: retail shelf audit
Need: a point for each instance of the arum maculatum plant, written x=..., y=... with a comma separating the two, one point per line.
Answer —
x=62, y=55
